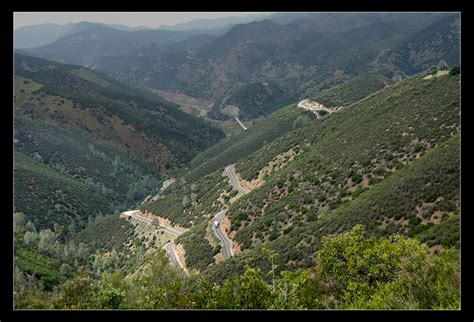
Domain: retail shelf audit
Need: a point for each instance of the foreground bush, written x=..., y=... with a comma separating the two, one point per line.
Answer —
x=353, y=271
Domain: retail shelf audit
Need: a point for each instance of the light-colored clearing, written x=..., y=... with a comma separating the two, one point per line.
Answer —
x=438, y=74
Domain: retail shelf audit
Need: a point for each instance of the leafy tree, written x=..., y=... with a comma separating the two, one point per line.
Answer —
x=194, y=197
x=77, y=293
x=82, y=253
x=66, y=269
x=186, y=201
x=72, y=228
x=30, y=226
x=442, y=65
x=292, y=290
x=58, y=229
x=97, y=264
x=110, y=298
x=246, y=291
x=46, y=240
x=161, y=286
x=388, y=272
x=19, y=219
x=30, y=239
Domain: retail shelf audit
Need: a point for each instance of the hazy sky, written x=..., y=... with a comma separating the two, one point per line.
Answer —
x=132, y=19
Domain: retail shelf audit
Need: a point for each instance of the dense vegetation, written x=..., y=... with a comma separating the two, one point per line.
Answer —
x=235, y=147
x=106, y=234
x=350, y=91
x=356, y=209
x=44, y=258
x=369, y=273
x=345, y=169
x=333, y=175
x=185, y=204
x=199, y=252
x=108, y=100
x=47, y=197
x=424, y=49
x=252, y=101
x=86, y=144
x=296, y=59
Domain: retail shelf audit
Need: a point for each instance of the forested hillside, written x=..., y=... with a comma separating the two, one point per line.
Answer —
x=351, y=91
x=261, y=66
x=103, y=144
x=425, y=48
x=308, y=176
x=299, y=161
x=398, y=177
x=297, y=59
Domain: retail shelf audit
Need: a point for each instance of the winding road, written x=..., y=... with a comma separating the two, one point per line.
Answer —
x=230, y=171
x=168, y=247
x=135, y=215
x=226, y=243
x=174, y=258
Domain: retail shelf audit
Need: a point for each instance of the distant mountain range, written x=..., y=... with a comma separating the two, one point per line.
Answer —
x=214, y=23
x=297, y=53
x=44, y=34
x=39, y=35
x=86, y=42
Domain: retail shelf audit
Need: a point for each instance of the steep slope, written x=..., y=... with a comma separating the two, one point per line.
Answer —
x=421, y=200
x=351, y=152
x=277, y=124
x=250, y=101
x=351, y=91
x=390, y=143
x=110, y=139
x=235, y=147
x=424, y=49
x=50, y=197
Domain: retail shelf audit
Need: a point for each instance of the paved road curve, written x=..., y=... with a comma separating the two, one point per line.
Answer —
x=135, y=214
x=230, y=171
x=226, y=243
x=170, y=250
x=168, y=247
